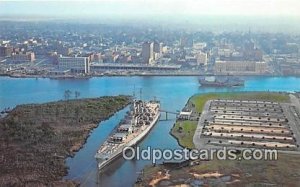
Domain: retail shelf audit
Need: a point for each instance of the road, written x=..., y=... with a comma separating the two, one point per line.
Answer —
x=295, y=101
x=291, y=114
x=197, y=136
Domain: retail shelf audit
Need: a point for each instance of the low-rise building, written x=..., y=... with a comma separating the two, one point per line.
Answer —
x=6, y=51
x=202, y=58
x=23, y=57
x=185, y=115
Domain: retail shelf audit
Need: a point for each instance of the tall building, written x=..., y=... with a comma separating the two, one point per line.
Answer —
x=147, y=52
x=161, y=46
x=157, y=51
x=156, y=47
x=5, y=51
x=75, y=64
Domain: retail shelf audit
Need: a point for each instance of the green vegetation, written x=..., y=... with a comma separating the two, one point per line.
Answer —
x=36, y=138
x=197, y=102
x=282, y=172
x=184, y=131
x=200, y=100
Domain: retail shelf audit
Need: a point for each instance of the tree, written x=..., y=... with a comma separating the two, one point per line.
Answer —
x=180, y=129
x=77, y=94
x=67, y=94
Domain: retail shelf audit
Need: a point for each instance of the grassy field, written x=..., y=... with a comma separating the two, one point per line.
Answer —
x=200, y=100
x=184, y=131
x=35, y=139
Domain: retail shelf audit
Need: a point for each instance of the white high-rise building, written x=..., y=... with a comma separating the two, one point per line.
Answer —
x=76, y=64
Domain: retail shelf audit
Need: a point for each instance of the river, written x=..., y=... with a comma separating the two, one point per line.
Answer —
x=173, y=92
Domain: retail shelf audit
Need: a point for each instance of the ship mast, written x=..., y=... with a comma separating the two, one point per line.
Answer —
x=133, y=94
x=141, y=91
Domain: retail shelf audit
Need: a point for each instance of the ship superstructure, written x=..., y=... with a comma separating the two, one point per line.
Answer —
x=133, y=128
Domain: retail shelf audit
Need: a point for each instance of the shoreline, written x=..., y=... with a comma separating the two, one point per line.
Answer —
x=134, y=75
x=173, y=135
x=57, y=147
x=90, y=130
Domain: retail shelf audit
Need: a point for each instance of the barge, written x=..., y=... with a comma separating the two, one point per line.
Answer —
x=221, y=81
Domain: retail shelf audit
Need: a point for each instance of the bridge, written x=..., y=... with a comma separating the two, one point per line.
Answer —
x=177, y=113
x=169, y=112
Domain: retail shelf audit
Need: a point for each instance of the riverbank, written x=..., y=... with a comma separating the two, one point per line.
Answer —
x=37, y=138
x=108, y=74
x=183, y=132
x=124, y=74
x=284, y=171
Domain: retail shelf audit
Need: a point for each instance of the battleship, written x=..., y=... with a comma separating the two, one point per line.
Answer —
x=132, y=129
x=221, y=81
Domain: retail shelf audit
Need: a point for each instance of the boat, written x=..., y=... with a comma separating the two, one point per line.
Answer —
x=221, y=81
x=136, y=124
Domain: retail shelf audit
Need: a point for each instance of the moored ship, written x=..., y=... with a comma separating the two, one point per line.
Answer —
x=133, y=128
x=221, y=81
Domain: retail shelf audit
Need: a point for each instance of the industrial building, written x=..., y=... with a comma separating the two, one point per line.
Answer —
x=240, y=67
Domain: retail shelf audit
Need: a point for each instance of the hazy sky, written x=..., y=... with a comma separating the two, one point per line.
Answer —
x=132, y=8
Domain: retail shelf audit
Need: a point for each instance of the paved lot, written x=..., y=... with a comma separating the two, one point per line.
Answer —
x=252, y=124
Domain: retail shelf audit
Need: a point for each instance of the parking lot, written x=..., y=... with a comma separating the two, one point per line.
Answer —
x=248, y=124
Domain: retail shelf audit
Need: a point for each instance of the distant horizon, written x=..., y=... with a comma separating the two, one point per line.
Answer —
x=204, y=23
x=144, y=8
x=271, y=15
